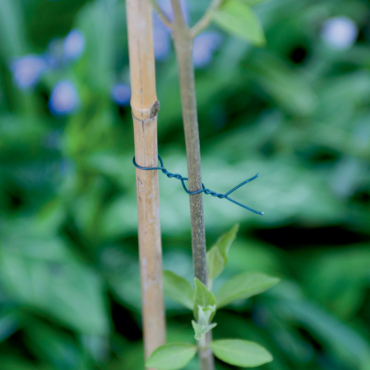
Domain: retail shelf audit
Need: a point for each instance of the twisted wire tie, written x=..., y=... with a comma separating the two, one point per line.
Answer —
x=204, y=190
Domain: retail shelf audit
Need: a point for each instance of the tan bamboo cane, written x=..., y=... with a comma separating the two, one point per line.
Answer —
x=144, y=107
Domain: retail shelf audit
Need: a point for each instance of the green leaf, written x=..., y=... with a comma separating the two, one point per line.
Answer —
x=202, y=297
x=224, y=242
x=244, y=286
x=240, y=352
x=171, y=356
x=205, y=314
x=217, y=256
x=239, y=20
x=215, y=263
x=178, y=289
x=200, y=330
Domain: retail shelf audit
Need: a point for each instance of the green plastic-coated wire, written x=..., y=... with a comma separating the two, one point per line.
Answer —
x=204, y=190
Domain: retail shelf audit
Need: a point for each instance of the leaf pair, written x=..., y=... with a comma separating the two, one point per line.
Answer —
x=204, y=303
x=236, y=17
x=242, y=286
x=232, y=351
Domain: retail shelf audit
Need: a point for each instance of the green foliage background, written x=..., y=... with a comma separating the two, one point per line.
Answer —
x=295, y=111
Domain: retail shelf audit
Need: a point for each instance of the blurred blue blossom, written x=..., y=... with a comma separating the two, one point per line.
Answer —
x=161, y=33
x=74, y=44
x=64, y=98
x=204, y=46
x=121, y=94
x=27, y=70
x=339, y=32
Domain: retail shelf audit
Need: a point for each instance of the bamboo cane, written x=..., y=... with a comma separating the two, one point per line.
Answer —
x=144, y=107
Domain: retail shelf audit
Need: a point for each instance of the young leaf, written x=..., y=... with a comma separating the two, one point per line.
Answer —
x=178, y=289
x=215, y=263
x=240, y=352
x=217, y=256
x=224, y=242
x=201, y=329
x=202, y=297
x=244, y=286
x=171, y=356
x=239, y=20
x=205, y=314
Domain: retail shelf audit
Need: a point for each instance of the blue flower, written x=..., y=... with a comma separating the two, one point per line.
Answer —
x=204, y=46
x=64, y=98
x=121, y=94
x=339, y=32
x=161, y=33
x=27, y=70
x=74, y=44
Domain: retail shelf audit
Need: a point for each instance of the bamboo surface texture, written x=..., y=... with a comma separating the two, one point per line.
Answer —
x=145, y=106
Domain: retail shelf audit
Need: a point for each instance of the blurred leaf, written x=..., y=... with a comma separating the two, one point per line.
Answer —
x=178, y=289
x=341, y=278
x=12, y=30
x=98, y=57
x=51, y=281
x=171, y=356
x=239, y=20
x=240, y=352
x=13, y=363
x=9, y=323
x=244, y=286
x=54, y=346
x=339, y=338
x=287, y=88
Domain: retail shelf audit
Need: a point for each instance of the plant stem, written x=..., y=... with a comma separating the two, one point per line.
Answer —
x=183, y=41
x=145, y=106
x=206, y=358
x=184, y=46
x=161, y=14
